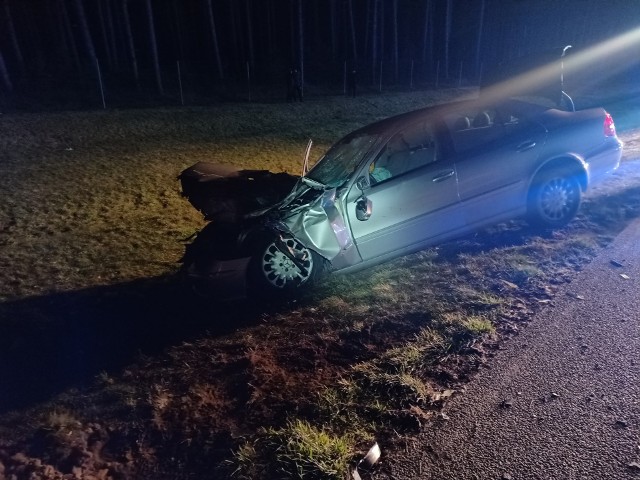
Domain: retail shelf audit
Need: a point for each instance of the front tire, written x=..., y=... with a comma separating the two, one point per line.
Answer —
x=281, y=268
x=554, y=199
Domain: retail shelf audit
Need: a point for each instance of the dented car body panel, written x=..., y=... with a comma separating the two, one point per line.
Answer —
x=392, y=188
x=322, y=227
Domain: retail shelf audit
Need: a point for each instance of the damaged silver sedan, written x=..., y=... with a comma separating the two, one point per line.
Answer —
x=392, y=188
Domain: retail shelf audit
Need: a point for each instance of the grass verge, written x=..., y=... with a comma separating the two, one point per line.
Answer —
x=110, y=369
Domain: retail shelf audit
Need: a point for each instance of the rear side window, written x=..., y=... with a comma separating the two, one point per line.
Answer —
x=472, y=129
x=479, y=129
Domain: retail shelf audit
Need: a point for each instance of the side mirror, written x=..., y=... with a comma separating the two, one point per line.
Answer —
x=364, y=208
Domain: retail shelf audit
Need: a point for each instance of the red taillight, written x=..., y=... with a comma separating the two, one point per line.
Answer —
x=609, y=126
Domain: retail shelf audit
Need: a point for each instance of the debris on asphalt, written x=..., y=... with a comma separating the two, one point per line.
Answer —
x=622, y=423
x=506, y=403
x=506, y=476
x=555, y=395
x=575, y=295
x=635, y=466
x=615, y=263
x=625, y=276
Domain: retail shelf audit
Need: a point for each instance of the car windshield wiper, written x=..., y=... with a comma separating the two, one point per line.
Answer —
x=313, y=183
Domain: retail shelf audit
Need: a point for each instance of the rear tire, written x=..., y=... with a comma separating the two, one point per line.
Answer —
x=554, y=198
x=274, y=275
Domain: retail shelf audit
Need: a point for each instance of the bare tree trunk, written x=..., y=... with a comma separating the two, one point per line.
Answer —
x=177, y=23
x=447, y=36
x=382, y=28
x=318, y=30
x=130, y=45
x=235, y=35
x=395, y=40
x=479, y=37
x=103, y=31
x=214, y=35
x=154, y=47
x=333, y=18
x=425, y=37
x=68, y=34
x=374, y=41
x=17, y=51
x=367, y=34
x=61, y=48
x=252, y=58
x=86, y=34
x=270, y=20
x=111, y=34
x=4, y=74
x=301, y=44
x=352, y=28
x=292, y=31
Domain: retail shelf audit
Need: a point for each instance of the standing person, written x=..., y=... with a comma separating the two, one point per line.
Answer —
x=290, y=85
x=294, y=86
x=297, y=85
x=352, y=82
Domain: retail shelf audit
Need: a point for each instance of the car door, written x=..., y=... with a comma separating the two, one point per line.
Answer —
x=495, y=153
x=412, y=191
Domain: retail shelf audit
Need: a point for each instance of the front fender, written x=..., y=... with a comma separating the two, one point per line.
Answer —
x=322, y=228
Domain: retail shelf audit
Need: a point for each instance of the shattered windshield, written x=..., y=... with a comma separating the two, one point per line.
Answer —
x=335, y=167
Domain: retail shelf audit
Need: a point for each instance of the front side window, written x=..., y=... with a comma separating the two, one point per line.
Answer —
x=412, y=148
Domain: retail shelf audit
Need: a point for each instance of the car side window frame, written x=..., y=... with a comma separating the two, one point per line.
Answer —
x=408, y=143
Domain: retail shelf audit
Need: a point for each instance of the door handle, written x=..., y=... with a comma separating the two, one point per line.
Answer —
x=524, y=146
x=443, y=176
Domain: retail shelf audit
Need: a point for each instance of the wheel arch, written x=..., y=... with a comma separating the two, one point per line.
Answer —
x=252, y=238
x=568, y=162
x=278, y=283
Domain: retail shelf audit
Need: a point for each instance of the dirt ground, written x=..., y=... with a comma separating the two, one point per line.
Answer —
x=110, y=369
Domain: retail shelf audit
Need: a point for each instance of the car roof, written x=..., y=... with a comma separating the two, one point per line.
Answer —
x=436, y=112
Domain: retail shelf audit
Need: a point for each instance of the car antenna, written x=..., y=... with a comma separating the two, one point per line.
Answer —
x=305, y=165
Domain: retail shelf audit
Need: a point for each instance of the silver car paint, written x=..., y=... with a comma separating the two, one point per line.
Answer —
x=321, y=227
x=441, y=200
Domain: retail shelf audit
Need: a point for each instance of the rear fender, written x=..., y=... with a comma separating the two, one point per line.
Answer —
x=571, y=163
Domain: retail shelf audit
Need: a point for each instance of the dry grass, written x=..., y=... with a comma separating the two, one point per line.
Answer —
x=99, y=342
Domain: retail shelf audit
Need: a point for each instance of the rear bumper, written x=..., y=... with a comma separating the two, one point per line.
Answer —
x=605, y=159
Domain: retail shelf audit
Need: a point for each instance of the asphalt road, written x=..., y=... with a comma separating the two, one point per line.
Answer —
x=562, y=400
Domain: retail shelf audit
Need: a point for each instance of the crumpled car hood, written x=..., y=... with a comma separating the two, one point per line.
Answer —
x=229, y=195
x=226, y=193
